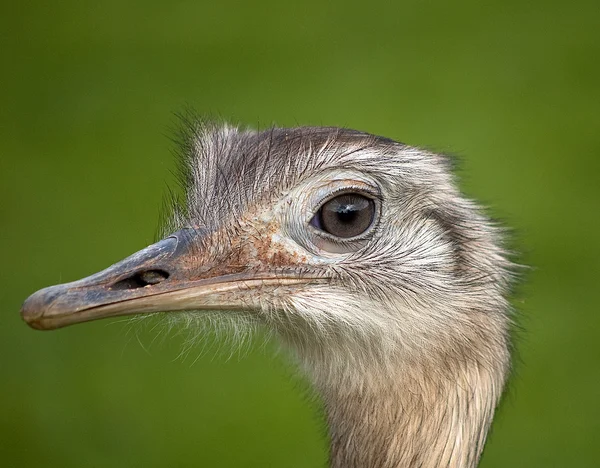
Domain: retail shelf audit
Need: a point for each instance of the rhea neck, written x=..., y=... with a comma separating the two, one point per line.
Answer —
x=427, y=414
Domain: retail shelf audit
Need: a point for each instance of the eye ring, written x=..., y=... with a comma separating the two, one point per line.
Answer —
x=345, y=216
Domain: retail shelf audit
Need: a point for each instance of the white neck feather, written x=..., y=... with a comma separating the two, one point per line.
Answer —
x=427, y=421
x=427, y=406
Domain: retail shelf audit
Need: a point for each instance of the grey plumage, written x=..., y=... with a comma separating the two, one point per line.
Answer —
x=403, y=330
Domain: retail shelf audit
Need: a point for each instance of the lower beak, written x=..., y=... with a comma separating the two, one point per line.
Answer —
x=154, y=279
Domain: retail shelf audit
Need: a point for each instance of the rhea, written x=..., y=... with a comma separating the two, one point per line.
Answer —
x=360, y=253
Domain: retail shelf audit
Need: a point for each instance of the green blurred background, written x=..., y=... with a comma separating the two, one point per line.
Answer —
x=87, y=95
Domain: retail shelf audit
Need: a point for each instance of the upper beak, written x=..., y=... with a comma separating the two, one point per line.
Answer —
x=154, y=279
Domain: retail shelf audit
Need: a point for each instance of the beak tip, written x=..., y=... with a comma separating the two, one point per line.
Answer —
x=34, y=308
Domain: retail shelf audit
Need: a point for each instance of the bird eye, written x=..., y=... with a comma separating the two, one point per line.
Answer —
x=345, y=216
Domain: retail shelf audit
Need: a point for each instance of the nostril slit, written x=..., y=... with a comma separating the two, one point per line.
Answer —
x=153, y=276
x=141, y=279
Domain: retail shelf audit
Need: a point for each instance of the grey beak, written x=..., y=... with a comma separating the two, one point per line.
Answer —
x=157, y=269
x=172, y=275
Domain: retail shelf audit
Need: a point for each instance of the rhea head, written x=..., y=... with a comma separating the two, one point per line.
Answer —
x=358, y=251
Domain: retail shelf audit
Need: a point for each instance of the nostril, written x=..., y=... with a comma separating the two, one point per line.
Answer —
x=141, y=279
x=153, y=276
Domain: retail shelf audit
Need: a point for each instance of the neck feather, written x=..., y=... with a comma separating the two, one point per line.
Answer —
x=414, y=422
x=400, y=412
x=419, y=392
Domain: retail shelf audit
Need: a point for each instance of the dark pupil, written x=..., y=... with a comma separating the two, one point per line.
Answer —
x=348, y=215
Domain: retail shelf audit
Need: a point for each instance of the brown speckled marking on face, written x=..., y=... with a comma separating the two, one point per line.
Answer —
x=270, y=252
x=252, y=247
